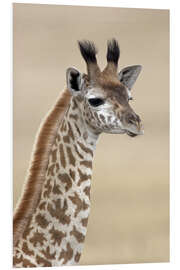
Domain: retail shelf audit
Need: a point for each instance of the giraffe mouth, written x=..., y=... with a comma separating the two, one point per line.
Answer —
x=131, y=134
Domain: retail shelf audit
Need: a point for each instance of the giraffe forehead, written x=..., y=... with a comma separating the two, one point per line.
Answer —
x=96, y=92
x=111, y=91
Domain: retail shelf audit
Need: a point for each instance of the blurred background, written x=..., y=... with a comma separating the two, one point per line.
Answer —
x=129, y=220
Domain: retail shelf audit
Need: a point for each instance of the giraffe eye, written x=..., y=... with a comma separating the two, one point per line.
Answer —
x=95, y=102
x=130, y=98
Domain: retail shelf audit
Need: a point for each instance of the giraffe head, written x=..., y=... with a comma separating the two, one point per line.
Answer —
x=104, y=96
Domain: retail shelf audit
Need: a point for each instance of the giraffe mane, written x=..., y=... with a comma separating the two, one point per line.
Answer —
x=38, y=165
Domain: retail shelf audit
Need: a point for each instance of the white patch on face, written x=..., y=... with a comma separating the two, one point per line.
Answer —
x=93, y=96
x=94, y=92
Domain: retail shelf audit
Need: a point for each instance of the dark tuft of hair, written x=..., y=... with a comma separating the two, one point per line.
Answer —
x=113, y=51
x=88, y=51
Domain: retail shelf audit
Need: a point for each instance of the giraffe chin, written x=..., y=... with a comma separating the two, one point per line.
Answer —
x=132, y=134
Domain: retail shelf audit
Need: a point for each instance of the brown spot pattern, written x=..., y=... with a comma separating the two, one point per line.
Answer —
x=91, y=114
x=102, y=118
x=77, y=128
x=42, y=261
x=77, y=257
x=96, y=116
x=66, y=139
x=54, y=158
x=70, y=131
x=74, y=116
x=47, y=254
x=85, y=135
x=51, y=170
x=48, y=189
x=41, y=221
x=87, y=191
x=63, y=126
x=109, y=118
x=27, y=230
x=78, y=235
x=58, y=137
x=59, y=212
x=64, y=178
x=66, y=254
x=80, y=205
x=72, y=174
x=27, y=263
x=42, y=206
x=56, y=236
x=83, y=177
x=62, y=156
x=78, y=152
x=84, y=222
x=70, y=156
x=57, y=167
x=56, y=189
x=85, y=149
x=86, y=163
x=26, y=249
x=37, y=238
x=17, y=260
x=74, y=105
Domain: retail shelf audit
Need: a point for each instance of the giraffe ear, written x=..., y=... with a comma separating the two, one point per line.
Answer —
x=74, y=80
x=128, y=75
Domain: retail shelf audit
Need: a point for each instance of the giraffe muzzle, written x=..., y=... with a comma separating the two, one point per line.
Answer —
x=133, y=125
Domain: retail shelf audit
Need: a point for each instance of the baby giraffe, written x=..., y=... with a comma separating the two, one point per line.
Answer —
x=50, y=221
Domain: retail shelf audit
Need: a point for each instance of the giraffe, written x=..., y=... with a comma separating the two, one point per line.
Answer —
x=50, y=220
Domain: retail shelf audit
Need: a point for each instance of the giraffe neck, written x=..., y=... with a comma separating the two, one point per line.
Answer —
x=56, y=232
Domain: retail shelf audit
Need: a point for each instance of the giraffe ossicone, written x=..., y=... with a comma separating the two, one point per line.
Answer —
x=50, y=220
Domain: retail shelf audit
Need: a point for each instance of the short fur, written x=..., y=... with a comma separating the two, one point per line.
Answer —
x=33, y=186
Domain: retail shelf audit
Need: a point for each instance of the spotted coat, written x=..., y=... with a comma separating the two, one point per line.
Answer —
x=56, y=231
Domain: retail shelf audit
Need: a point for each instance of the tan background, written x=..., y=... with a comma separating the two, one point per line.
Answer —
x=129, y=219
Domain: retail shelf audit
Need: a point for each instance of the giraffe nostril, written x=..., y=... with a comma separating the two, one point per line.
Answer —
x=131, y=119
